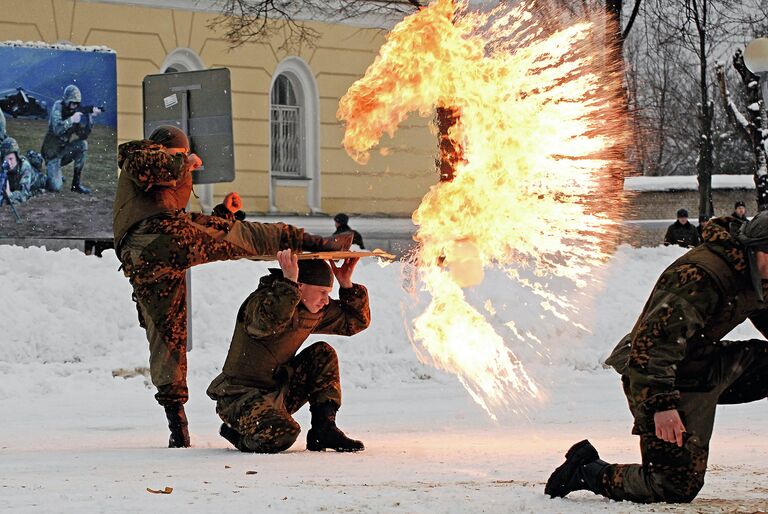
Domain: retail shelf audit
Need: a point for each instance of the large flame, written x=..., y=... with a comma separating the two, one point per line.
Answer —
x=541, y=131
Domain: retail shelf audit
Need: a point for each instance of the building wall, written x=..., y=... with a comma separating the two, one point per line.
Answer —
x=144, y=37
x=655, y=205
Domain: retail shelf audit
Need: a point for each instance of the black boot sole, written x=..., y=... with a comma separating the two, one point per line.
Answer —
x=579, y=454
x=314, y=446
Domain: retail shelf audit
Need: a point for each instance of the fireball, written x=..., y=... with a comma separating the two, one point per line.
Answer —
x=538, y=140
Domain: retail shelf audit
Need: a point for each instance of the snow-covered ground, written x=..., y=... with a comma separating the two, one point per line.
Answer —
x=75, y=438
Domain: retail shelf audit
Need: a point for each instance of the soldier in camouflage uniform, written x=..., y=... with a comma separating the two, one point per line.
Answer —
x=676, y=368
x=3, y=133
x=157, y=241
x=24, y=180
x=66, y=141
x=264, y=381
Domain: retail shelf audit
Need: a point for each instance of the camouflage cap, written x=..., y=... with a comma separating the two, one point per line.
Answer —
x=9, y=145
x=72, y=94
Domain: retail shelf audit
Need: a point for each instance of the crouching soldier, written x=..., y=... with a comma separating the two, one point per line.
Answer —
x=264, y=380
x=157, y=241
x=676, y=368
x=24, y=180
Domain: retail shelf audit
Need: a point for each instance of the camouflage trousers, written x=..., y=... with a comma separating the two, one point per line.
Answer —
x=155, y=256
x=668, y=473
x=263, y=417
x=75, y=151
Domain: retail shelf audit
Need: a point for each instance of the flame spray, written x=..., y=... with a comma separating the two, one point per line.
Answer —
x=530, y=100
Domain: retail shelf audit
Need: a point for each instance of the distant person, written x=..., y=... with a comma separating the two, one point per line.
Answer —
x=740, y=211
x=157, y=241
x=264, y=380
x=66, y=140
x=24, y=180
x=341, y=221
x=681, y=232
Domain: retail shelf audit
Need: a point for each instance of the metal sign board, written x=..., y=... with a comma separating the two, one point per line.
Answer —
x=200, y=104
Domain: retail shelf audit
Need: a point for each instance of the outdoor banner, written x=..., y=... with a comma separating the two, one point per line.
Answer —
x=59, y=102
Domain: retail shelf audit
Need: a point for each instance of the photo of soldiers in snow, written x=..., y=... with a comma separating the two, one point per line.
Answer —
x=676, y=368
x=341, y=221
x=23, y=180
x=264, y=381
x=682, y=232
x=67, y=140
x=156, y=241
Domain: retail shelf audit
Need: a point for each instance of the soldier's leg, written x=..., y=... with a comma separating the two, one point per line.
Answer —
x=78, y=152
x=258, y=422
x=200, y=239
x=314, y=377
x=673, y=474
x=53, y=171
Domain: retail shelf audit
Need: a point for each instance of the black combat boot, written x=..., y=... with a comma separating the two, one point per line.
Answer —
x=582, y=471
x=233, y=436
x=76, y=186
x=325, y=435
x=337, y=243
x=177, y=423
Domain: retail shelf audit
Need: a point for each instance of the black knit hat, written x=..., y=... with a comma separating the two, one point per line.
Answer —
x=682, y=213
x=341, y=218
x=170, y=137
x=739, y=204
x=315, y=272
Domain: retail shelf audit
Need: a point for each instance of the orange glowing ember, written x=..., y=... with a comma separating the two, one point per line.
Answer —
x=542, y=132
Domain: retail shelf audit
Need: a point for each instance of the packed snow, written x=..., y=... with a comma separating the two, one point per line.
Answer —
x=687, y=182
x=81, y=432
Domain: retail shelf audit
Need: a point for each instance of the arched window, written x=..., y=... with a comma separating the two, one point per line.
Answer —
x=286, y=125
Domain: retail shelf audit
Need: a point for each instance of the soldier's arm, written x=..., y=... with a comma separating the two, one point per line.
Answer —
x=59, y=125
x=269, y=309
x=348, y=315
x=149, y=165
x=683, y=299
x=668, y=237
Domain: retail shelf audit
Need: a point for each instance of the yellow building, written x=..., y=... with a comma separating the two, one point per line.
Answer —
x=306, y=172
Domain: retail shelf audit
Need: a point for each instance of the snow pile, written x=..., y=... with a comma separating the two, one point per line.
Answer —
x=67, y=313
x=58, y=46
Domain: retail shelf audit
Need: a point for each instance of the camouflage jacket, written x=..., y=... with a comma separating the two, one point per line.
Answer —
x=271, y=326
x=25, y=182
x=58, y=125
x=696, y=302
x=151, y=182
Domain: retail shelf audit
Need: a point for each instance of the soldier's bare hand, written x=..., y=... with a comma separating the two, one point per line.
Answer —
x=669, y=426
x=344, y=273
x=193, y=161
x=233, y=202
x=289, y=263
x=76, y=117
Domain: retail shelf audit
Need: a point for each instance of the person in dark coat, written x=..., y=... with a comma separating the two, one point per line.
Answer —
x=681, y=232
x=740, y=211
x=342, y=225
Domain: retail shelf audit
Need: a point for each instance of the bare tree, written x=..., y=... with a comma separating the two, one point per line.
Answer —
x=247, y=21
x=753, y=126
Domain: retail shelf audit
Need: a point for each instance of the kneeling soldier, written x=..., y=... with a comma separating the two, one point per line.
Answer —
x=676, y=367
x=264, y=380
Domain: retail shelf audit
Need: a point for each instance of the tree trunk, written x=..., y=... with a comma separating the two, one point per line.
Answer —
x=706, y=162
x=753, y=126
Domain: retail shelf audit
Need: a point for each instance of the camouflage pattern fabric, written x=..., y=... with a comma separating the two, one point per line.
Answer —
x=25, y=182
x=156, y=254
x=673, y=474
x=263, y=417
x=676, y=358
x=59, y=149
x=75, y=151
